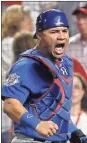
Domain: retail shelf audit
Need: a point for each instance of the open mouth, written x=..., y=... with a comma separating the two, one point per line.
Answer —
x=59, y=48
x=60, y=45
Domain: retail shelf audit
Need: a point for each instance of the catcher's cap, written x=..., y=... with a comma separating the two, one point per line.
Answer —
x=49, y=19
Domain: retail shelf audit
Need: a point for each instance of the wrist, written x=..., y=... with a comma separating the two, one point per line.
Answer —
x=28, y=119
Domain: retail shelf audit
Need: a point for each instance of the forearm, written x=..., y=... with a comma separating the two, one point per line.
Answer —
x=14, y=109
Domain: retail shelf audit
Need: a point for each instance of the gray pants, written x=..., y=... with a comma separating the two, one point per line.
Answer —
x=19, y=138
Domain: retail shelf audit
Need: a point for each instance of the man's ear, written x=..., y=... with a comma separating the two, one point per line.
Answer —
x=38, y=35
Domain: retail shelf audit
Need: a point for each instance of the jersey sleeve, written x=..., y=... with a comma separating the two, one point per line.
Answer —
x=20, y=81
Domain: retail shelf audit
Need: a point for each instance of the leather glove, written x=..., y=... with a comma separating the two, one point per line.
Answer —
x=78, y=137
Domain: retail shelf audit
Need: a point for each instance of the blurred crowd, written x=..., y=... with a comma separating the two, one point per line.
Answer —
x=18, y=25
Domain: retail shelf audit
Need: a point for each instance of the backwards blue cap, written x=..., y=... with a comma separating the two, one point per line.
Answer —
x=49, y=19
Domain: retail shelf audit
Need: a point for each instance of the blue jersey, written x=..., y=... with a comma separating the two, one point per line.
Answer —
x=44, y=88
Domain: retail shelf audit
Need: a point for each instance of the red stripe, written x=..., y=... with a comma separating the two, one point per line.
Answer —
x=57, y=81
x=78, y=117
x=43, y=95
x=84, y=10
x=12, y=2
x=67, y=80
x=57, y=63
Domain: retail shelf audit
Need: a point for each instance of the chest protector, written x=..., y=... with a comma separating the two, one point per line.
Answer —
x=55, y=103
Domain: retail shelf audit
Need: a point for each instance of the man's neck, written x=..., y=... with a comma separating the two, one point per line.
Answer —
x=75, y=110
x=46, y=53
x=42, y=50
x=84, y=37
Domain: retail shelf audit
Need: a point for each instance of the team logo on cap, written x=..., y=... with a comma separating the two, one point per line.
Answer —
x=58, y=21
